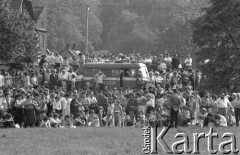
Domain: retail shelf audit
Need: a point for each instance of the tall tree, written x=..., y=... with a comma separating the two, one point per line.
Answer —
x=217, y=34
x=18, y=39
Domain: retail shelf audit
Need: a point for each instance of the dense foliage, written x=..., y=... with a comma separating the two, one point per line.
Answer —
x=139, y=26
x=217, y=35
x=19, y=41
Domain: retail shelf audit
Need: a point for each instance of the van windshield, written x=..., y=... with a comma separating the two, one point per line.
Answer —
x=108, y=73
x=90, y=72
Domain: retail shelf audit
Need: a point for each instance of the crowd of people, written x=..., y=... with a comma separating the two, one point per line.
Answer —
x=53, y=94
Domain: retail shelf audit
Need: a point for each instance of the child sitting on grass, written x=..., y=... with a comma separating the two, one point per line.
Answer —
x=7, y=121
x=185, y=118
x=152, y=119
x=79, y=120
x=67, y=123
x=93, y=119
x=130, y=119
x=54, y=120
x=46, y=123
x=163, y=118
x=142, y=120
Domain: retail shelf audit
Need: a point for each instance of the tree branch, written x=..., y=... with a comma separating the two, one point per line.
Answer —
x=234, y=25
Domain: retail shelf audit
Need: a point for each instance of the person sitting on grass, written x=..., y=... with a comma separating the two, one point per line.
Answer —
x=141, y=121
x=67, y=123
x=203, y=117
x=185, y=118
x=163, y=117
x=79, y=120
x=152, y=119
x=46, y=123
x=93, y=119
x=61, y=117
x=7, y=121
x=220, y=120
x=54, y=120
x=130, y=119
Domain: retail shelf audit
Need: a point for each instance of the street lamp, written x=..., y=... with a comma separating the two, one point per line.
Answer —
x=87, y=9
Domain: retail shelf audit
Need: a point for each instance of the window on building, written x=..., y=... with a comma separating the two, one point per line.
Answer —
x=43, y=41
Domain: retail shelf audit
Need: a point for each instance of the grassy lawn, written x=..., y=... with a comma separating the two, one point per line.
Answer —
x=88, y=141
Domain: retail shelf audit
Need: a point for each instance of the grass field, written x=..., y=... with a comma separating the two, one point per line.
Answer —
x=92, y=141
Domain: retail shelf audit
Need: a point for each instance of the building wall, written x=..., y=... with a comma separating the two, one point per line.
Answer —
x=42, y=30
x=24, y=8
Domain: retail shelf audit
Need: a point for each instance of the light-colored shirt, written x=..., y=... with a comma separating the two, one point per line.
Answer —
x=158, y=79
x=222, y=121
x=63, y=103
x=223, y=103
x=3, y=103
x=92, y=100
x=79, y=77
x=57, y=105
x=151, y=103
x=188, y=62
x=63, y=76
x=149, y=61
x=236, y=103
x=99, y=78
x=162, y=66
x=1, y=80
x=168, y=60
x=50, y=59
x=59, y=59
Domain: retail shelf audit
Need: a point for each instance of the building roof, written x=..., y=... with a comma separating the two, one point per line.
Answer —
x=37, y=11
x=113, y=65
x=29, y=7
x=15, y=4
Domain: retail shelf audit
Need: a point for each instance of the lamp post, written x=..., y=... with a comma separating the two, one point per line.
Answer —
x=87, y=9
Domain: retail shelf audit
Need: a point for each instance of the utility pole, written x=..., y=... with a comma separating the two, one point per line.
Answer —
x=87, y=13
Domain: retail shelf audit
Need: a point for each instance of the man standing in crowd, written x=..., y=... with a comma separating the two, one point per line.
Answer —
x=53, y=79
x=188, y=61
x=175, y=104
x=161, y=63
x=168, y=60
x=175, y=62
x=58, y=60
x=99, y=79
x=223, y=104
x=51, y=59
x=236, y=106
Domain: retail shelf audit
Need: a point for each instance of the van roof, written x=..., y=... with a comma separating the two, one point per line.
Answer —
x=113, y=65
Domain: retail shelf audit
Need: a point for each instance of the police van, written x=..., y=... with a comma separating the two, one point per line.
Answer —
x=132, y=75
